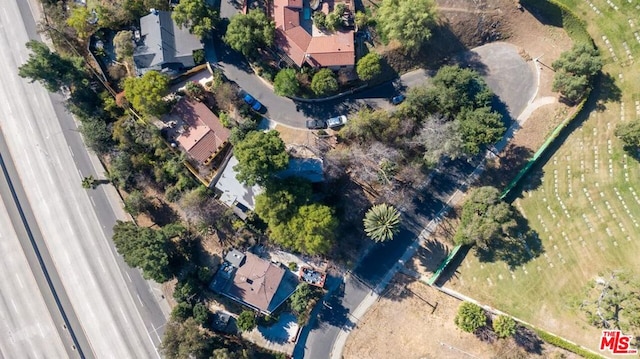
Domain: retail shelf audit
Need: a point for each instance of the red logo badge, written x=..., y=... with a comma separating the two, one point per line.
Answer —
x=616, y=342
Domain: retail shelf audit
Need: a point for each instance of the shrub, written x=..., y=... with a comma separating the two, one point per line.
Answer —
x=247, y=320
x=470, y=317
x=504, y=326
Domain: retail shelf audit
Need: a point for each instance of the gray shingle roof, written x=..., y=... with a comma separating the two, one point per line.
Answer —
x=164, y=44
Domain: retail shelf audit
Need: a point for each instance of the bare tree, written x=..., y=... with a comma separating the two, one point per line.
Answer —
x=439, y=138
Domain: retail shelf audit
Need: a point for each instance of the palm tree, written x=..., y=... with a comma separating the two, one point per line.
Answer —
x=381, y=222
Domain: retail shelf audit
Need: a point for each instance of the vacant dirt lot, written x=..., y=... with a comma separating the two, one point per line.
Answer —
x=404, y=324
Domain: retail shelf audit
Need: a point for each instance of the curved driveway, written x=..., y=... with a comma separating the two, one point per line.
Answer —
x=508, y=75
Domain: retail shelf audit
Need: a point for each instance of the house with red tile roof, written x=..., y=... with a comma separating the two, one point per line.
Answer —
x=302, y=42
x=197, y=131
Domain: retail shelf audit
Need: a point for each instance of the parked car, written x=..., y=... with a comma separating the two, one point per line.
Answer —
x=398, y=99
x=337, y=121
x=255, y=104
x=316, y=124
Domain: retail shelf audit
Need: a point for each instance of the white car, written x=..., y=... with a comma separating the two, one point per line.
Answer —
x=336, y=121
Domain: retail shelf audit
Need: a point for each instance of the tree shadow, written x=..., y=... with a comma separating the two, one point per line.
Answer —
x=504, y=168
x=431, y=254
x=528, y=340
x=333, y=312
x=545, y=14
x=515, y=250
x=608, y=91
x=452, y=269
x=472, y=60
x=162, y=214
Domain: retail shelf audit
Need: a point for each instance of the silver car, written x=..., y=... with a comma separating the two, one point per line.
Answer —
x=336, y=121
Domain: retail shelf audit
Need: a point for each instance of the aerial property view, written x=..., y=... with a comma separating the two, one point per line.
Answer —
x=320, y=178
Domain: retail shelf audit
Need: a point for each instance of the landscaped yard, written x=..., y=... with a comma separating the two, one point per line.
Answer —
x=586, y=211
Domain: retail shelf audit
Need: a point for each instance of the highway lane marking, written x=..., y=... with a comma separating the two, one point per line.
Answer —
x=124, y=316
x=102, y=266
x=19, y=280
x=15, y=307
x=70, y=150
x=92, y=202
x=80, y=173
x=140, y=300
x=128, y=276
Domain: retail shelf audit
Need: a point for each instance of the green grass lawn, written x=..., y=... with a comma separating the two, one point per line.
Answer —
x=587, y=209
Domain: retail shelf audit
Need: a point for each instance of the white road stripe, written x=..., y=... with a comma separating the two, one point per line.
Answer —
x=19, y=280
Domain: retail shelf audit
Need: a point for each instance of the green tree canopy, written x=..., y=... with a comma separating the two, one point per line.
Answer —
x=280, y=201
x=247, y=320
x=201, y=313
x=143, y=248
x=480, y=127
x=123, y=44
x=186, y=339
x=286, y=83
x=49, y=68
x=369, y=66
x=320, y=20
x=247, y=33
x=79, y=19
x=407, y=21
x=260, y=154
x=136, y=203
x=146, y=93
x=324, y=82
x=381, y=222
x=629, y=134
x=470, y=317
x=333, y=21
x=182, y=311
x=196, y=15
x=504, y=326
x=574, y=70
x=301, y=298
x=485, y=218
x=96, y=135
x=572, y=87
x=311, y=230
x=455, y=88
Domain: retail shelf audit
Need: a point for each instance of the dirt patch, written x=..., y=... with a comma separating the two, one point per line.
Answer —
x=418, y=323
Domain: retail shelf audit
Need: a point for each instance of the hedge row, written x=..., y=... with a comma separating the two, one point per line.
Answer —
x=561, y=343
x=556, y=132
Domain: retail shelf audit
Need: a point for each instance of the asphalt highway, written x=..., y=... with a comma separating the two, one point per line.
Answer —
x=117, y=310
x=35, y=319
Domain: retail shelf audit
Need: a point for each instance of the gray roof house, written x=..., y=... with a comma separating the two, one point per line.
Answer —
x=236, y=195
x=163, y=44
x=254, y=282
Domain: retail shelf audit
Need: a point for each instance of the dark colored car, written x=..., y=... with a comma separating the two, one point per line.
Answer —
x=316, y=124
x=255, y=104
x=398, y=99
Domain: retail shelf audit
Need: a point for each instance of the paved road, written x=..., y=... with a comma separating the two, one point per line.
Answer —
x=116, y=308
x=30, y=325
x=508, y=75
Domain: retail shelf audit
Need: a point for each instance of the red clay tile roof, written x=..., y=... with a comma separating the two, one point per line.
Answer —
x=256, y=281
x=334, y=49
x=204, y=134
